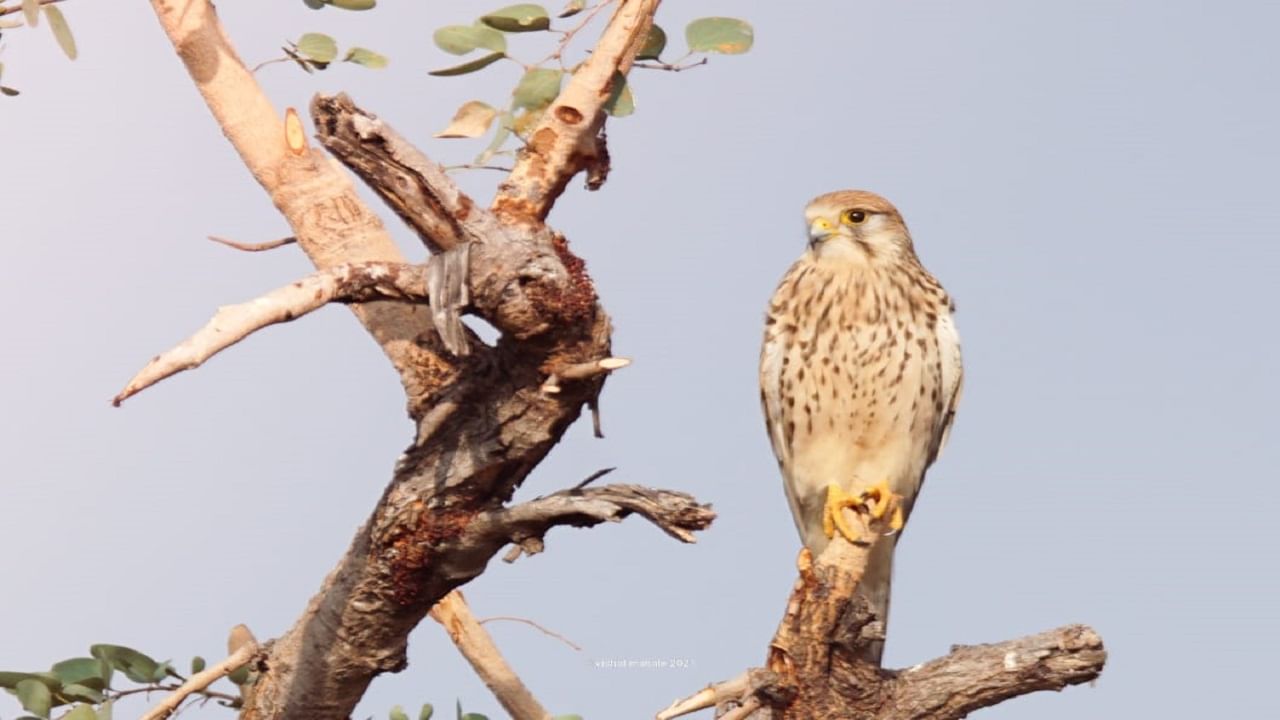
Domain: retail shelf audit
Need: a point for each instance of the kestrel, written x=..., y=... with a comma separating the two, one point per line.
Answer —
x=860, y=375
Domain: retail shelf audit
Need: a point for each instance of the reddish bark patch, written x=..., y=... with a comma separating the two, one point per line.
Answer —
x=569, y=115
x=464, y=209
x=579, y=302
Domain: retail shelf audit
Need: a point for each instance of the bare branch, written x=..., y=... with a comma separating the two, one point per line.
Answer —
x=567, y=139
x=233, y=323
x=979, y=676
x=330, y=221
x=483, y=655
x=675, y=513
x=202, y=680
x=255, y=247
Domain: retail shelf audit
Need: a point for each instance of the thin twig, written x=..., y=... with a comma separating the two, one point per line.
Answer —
x=594, y=477
x=468, y=166
x=566, y=36
x=254, y=247
x=202, y=680
x=272, y=61
x=671, y=67
x=526, y=621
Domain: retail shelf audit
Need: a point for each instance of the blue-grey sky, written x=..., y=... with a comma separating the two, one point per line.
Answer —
x=1095, y=182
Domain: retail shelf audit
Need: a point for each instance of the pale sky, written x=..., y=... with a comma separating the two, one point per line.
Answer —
x=1093, y=181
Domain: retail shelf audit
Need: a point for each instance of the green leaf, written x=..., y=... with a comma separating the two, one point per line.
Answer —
x=31, y=11
x=135, y=665
x=353, y=4
x=87, y=671
x=35, y=697
x=573, y=7
x=654, y=43
x=317, y=47
x=61, y=31
x=462, y=39
x=79, y=693
x=104, y=710
x=366, y=58
x=475, y=716
x=240, y=675
x=538, y=88
x=398, y=713
x=426, y=712
x=197, y=664
x=469, y=67
x=621, y=102
x=525, y=17
x=81, y=712
x=471, y=120
x=10, y=680
x=729, y=36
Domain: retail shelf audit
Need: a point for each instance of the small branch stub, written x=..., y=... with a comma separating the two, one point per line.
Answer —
x=583, y=371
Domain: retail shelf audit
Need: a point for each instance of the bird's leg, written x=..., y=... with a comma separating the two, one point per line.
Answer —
x=877, y=501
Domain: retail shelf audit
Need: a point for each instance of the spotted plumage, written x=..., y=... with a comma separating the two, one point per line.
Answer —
x=860, y=370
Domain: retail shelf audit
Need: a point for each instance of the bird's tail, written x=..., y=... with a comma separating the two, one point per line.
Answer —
x=874, y=588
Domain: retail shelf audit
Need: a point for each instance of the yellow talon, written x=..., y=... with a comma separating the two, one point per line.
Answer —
x=882, y=497
x=877, y=501
x=833, y=512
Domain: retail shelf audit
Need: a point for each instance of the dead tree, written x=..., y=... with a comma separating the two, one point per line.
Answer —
x=486, y=415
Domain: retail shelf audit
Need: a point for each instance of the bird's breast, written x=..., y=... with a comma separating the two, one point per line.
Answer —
x=853, y=376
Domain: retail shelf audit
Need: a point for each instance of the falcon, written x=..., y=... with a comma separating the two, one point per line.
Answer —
x=860, y=375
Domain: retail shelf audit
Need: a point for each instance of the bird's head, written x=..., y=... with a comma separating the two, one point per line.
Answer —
x=856, y=225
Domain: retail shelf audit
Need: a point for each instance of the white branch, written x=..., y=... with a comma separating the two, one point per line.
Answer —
x=233, y=323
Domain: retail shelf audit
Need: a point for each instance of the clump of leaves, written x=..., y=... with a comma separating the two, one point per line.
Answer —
x=89, y=684
x=486, y=41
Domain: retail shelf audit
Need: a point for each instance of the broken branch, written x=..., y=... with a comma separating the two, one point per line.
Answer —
x=675, y=513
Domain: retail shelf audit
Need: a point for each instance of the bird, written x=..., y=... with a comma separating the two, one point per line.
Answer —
x=860, y=376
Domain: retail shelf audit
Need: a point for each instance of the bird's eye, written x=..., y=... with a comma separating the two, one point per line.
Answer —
x=854, y=217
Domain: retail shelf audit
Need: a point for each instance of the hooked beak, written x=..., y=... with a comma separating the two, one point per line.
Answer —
x=820, y=230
